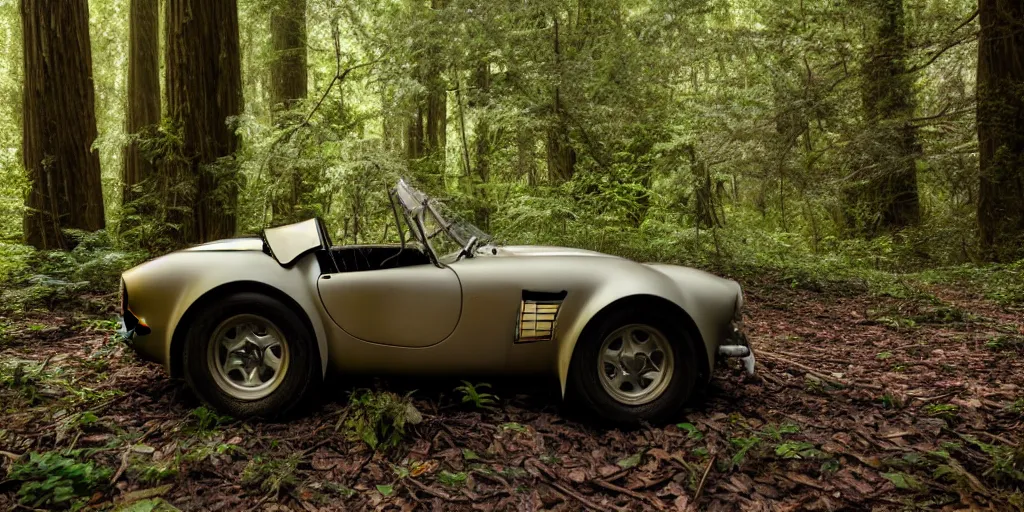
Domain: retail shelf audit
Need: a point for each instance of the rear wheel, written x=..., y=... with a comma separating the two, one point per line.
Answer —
x=250, y=355
x=634, y=365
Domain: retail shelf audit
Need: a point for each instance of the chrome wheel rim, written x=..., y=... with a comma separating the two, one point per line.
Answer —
x=248, y=356
x=635, y=364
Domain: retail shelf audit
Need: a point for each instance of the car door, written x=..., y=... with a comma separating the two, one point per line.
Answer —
x=415, y=306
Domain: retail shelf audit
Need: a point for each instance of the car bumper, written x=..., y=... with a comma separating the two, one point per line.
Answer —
x=737, y=345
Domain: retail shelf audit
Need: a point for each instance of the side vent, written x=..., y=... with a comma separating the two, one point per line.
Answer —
x=538, y=313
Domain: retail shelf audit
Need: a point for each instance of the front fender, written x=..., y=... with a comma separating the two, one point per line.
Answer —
x=161, y=291
x=708, y=300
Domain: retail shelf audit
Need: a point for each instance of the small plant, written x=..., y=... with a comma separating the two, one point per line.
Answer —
x=271, y=475
x=379, y=419
x=154, y=473
x=892, y=401
x=744, y=445
x=692, y=432
x=514, y=427
x=776, y=433
x=882, y=356
x=53, y=480
x=797, y=450
x=947, y=412
x=452, y=479
x=1005, y=342
x=205, y=420
x=1017, y=407
x=471, y=394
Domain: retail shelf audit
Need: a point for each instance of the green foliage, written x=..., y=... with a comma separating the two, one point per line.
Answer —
x=205, y=421
x=947, y=412
x=692, y=432
x=379, y=418
x=54, y=480
x=49, y=279
x=797, y=450
x=271, y=474
x=904, y=481
x=452, y=479
x=471, y=394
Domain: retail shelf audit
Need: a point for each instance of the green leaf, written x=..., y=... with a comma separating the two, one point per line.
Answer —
x=631, y=461
x=692, y=431
x=904, y=481
x=386, y=490
x=469, y=454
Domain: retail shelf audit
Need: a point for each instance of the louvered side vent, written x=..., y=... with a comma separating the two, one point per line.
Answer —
x=538, y=313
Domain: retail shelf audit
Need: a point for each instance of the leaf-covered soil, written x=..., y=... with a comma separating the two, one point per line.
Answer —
x=860, y=402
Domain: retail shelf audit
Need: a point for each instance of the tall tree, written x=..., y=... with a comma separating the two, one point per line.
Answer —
x=288, y=86
x=890, y=199
x=428, y=121
x=288, y=64
x=561, y=156
x=204, y=89
x=59, y=123
x=143, y=111
x=1001, y=128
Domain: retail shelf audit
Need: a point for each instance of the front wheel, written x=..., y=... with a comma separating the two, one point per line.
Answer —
x=633, y=366
x=250, y=355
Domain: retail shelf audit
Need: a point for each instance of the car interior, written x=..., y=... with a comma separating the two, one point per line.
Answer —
x=358, y=258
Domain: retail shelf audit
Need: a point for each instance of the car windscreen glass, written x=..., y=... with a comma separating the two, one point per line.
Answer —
x=443, y=231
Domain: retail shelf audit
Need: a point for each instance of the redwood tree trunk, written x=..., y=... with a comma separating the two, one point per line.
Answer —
x=143, y=111
x=288, y=67
x=1001, y=129
x=204, y=89
x=890, y=199
x=288, y=87
x=59, y=123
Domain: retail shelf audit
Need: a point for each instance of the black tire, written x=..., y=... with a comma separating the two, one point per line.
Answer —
x=299, y=381
x=583, y=380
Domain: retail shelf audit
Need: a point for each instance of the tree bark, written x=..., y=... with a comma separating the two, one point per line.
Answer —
x=426, y=140
x=890, y=199
x=59, y=123
x=143, y=112
x=288, y=67
x=561, y=156
x=484, y=146
x=204, y=88
x=288, y=79
x=1001, y=129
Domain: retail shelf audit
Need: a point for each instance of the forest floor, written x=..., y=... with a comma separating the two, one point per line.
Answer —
x=860, y=402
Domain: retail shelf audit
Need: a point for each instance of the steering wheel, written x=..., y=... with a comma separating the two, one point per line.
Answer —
x=467, y=251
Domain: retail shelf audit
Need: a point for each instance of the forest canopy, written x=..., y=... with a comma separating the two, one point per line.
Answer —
x=881, y=132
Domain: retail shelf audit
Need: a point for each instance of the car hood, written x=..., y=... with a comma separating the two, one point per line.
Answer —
x=544, y=250
x=231, y=244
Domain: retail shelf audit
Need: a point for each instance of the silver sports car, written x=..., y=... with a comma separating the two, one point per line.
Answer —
x=254, y=324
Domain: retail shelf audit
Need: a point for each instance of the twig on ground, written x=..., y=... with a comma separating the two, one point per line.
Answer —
x=816, y=373
x=9, y=455
x=703, y=480
x=575, y=495
x=660, y=505
x=435, y=493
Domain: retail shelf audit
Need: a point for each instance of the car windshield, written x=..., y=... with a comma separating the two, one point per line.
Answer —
x=437, y=227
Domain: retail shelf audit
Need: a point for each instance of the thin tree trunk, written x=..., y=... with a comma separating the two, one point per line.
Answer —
x=561, y=156
x=1001, y=129
x=204, y=89
x=59, y=123
x=484, y=145
x=143, y=111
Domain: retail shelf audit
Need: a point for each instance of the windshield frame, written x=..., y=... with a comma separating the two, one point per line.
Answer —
x=416, y=206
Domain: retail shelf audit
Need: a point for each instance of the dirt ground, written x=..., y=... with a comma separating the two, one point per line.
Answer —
x=860, y=402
